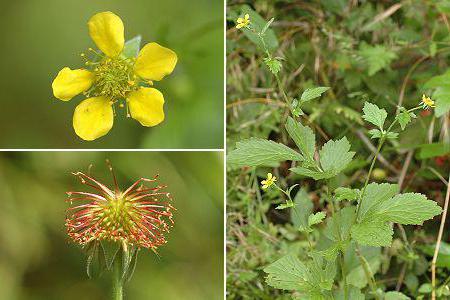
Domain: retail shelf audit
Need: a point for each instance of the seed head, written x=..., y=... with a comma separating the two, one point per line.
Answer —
x=140, y=216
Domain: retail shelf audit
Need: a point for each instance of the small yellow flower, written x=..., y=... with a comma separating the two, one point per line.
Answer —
x=427, y=102
x=243, y=22
x=112, y=78
x=270, y=180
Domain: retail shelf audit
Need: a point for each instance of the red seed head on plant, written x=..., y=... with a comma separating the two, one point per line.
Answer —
x=139, y=216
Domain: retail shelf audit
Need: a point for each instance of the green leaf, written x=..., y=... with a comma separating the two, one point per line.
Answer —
x=339, y=226
x=274, y=64
x=303, y=208
x=374, y=115
x=391, y=135
x=303, y=137
x=355, y=271
x=404, y=118
x=441, y=95
x=426, y=288
x=395, y=296
x=335, y=156
x=354, y=293
x=380, y=205
x=132, y=47
x=377, y=57
x=342, y=193
x=443, y=259
x=316, y=218
x=433, y=150
x=316, y=175
x=287, y=273
x=258, y=23
x=374, y=195
x=288, y=204
x=375, y=133
x=256, y=152
x=313, y=93
x=408, y=209
x=312, y=278
x=373, y=233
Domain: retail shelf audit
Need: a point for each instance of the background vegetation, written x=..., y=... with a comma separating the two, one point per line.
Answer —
x=38, y=261
x=43, y=36
x=388, y=52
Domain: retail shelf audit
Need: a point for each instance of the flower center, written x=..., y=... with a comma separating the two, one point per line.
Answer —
x=117, y=217
x=114, y=78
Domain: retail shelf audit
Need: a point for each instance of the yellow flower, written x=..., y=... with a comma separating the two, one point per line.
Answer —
x=427, y=102
x=270, y=180
x=112, y=78
x=243, y=22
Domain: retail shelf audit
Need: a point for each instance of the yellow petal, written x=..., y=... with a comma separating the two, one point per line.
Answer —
x=240, y=20
x=106, y=29
x=154, y=62
x=69, y=83
x=146, y=106
x=93, y=118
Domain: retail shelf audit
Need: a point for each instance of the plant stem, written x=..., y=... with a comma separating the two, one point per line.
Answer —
x=344, y=275
x=117, y=284
x=438, y=242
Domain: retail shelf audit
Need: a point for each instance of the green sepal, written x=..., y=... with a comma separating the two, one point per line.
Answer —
x=132, y=47
x=110, y=250
x=95, y=262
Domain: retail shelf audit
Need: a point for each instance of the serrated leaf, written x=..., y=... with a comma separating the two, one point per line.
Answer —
x=312, y=278
x=335, y=155
x=408, y=209
x=391, y=135
x=288, y=204
x=373, y=197
x=132, y=47
x=374, y=114
x=273, y=64
x=339, y=226
x=375, y=133
x=313, y=93
x=287, y=273
x=395, y=296
x=342, y=193
x=256, y=152
x=303, y=137
x=316, y=175
x=404, y=119
x=373, y=233
x=377, y=57
x=303, y=208
x=316, y=218
x=380, y=205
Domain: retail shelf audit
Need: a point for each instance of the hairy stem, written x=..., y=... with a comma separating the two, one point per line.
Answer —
x=117, y=284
